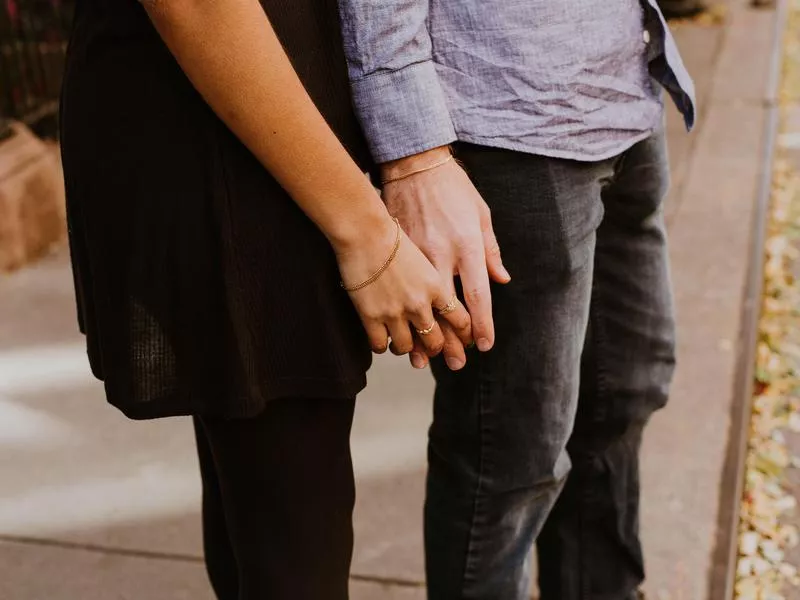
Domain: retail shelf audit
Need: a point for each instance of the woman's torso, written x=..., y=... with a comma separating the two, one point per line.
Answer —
x=201, y=286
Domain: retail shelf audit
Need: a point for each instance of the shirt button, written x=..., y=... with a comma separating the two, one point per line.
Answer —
x=646, y=36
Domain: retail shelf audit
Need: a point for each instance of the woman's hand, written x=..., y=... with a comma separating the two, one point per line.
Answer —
x=405, y=295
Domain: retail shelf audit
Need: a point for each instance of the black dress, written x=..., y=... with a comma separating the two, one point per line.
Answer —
x=201, y=287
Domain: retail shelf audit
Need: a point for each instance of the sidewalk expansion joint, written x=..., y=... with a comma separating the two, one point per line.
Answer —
x=177, y=557
x=388, y=581
x=100, y=549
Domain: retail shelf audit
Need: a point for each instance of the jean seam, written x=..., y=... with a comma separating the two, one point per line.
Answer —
x=557, y=189
x=619, y=163
x=478, y=506
x=599, y=339
x=601, y=387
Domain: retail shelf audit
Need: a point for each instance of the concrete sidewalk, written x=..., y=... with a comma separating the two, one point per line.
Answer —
x=90, y=508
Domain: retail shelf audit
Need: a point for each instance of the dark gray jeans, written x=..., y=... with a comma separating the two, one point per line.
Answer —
x=584, y=355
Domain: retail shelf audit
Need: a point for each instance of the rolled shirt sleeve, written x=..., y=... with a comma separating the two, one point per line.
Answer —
x=396, y=91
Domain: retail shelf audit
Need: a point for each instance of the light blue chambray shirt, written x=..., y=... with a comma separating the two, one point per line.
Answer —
x=575, y=79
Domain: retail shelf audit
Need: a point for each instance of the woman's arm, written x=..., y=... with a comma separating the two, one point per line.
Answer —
x=231, y=54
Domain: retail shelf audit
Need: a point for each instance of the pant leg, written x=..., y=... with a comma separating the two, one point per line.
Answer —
x=589, y=548
x=286, y=481
x=497, y=444
x=221, y=566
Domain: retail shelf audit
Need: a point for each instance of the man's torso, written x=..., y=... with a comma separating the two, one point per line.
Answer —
x=567, y=78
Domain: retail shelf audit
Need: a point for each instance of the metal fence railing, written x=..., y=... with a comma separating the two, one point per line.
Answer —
x=33, y=41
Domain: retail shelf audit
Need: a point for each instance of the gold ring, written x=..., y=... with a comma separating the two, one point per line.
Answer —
x=450, y=306
x=427, y=330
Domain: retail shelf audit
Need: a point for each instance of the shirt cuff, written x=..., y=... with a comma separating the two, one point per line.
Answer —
x=403, y=112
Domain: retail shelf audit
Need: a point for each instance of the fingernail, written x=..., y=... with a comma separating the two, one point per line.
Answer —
x=506, y=274
x=484, y=344
x=417, y=361
x=454, y=363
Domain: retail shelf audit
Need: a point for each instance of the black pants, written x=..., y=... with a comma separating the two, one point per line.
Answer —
x=584, y=354
x=278, y=496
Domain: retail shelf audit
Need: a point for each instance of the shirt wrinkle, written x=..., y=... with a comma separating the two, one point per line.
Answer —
x=573, y=78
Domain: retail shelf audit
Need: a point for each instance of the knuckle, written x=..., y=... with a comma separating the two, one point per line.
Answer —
x=493, y=249
x=474, y=294
x=449, y=330
x=436, y=290
x=436, y=348
x=462, y=322
x=390, y=312
x=479, y=327
x=373, y=316
x=451, y=350
x=452, y=346
x=374, y=313
x=474, y=252
x=419, y=306
x=478, y=331
x=464, y=243
x=435, y=250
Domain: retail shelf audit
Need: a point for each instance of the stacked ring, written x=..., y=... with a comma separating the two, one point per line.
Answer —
x=450, y=306
x=427, y=330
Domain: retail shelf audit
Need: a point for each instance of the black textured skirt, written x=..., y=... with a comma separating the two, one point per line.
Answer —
x=201, y=287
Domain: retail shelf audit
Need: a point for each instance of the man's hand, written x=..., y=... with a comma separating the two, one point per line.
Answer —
x=443, y=213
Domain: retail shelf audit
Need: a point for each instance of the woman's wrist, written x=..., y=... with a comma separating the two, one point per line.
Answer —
x=368, y=249
x=371, y=226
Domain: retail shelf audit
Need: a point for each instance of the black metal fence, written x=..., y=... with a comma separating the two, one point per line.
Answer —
x=33, y=41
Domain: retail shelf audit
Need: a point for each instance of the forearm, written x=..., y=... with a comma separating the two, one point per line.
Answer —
x=231, y=54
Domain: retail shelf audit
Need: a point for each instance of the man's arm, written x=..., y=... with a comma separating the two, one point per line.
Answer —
x=396, y=91
x=403, y=111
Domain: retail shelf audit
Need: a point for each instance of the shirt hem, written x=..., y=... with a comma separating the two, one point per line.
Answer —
x=505, y=144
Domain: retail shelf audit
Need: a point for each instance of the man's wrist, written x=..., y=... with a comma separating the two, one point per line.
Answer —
x=401, y=167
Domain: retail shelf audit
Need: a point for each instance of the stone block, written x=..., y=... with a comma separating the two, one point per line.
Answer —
x=32, y=207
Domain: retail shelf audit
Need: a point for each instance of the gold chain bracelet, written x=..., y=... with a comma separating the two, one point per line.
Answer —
x=441, y=163
x=372, y=278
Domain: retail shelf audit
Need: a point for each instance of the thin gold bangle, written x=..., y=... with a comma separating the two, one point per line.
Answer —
x=418, y=171
x=372, y=278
